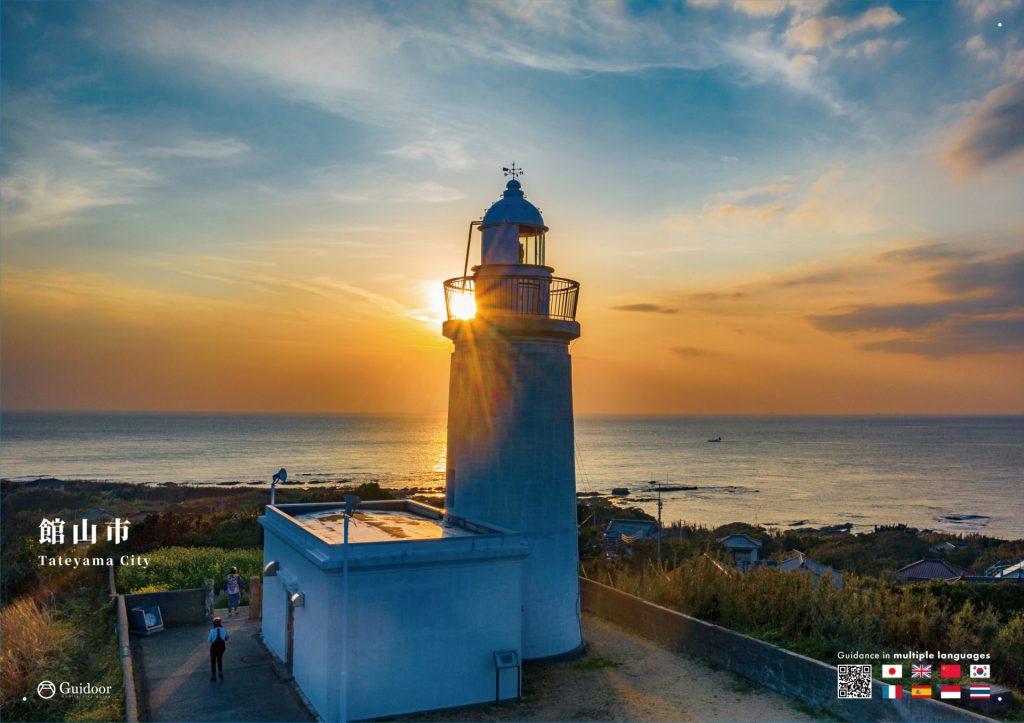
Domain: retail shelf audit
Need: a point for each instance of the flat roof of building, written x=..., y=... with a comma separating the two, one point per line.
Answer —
x=369, y=525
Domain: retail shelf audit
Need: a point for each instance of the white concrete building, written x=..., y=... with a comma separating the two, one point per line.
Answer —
x=443, y=605
x=429, y=607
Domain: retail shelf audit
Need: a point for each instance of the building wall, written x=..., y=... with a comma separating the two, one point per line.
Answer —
x=275, y=602
x=421, y=636
x=424, y=639
x=511, y=462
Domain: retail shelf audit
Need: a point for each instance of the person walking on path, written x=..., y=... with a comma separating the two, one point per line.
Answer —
x=217, y=638
x=233, y=587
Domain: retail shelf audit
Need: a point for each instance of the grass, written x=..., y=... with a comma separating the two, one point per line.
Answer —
x=67, y=638
x=867, y=614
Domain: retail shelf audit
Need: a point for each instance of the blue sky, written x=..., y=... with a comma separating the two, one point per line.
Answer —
x=750, y=166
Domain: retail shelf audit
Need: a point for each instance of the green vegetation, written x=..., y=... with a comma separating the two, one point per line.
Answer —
x=178, y=568
x=58, y=622
x=867, y=614
x=67, y=637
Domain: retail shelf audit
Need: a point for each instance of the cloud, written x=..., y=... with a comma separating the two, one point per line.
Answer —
x=994, y=133
x=981, y=10
x=979, y=50
x=692, y=351
x=648, y=308
x=930, y=251
x=970, y=336
x=818, y=32
x=402, y=192
x=982, y=313
x=446, y=154
x=63, y=163
x=876, y=47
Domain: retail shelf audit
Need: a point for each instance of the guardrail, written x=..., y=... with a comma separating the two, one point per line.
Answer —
x=131, y=698
x=547, y=297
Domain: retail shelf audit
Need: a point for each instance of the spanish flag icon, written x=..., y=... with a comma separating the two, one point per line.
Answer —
x=920, y=691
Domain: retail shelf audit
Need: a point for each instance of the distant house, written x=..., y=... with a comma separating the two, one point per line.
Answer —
x=1008, y=570
x=1013, y=572
x=743, y=548
x=799, y=562
x=930, y=570
x=942, y=548
x=630, y=531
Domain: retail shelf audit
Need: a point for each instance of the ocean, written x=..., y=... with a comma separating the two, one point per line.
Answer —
x=959, y=474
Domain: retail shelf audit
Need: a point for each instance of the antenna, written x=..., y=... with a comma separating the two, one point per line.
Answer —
x=512, y=170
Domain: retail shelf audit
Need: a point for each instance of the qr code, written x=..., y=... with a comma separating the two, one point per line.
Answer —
x=854, y=681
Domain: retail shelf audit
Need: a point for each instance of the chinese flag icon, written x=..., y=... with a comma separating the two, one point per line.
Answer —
x=949, y=671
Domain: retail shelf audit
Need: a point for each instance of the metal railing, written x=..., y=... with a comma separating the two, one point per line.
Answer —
x=547, y=297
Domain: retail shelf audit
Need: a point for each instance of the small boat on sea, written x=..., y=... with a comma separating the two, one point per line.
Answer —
x=716, y=439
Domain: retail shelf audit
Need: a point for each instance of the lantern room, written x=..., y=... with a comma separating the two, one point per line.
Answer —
x=512, y=230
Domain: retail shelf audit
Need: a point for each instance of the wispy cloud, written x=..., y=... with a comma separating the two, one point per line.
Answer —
x=994, y=133
x=646, y=308
x=982, y=312
x=817, y=32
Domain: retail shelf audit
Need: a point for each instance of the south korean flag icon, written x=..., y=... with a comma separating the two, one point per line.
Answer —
x=981, y=671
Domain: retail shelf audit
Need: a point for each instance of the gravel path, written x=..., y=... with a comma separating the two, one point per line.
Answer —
x=626, y=678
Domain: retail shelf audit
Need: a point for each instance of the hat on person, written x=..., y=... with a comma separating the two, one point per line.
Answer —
x=217, y=622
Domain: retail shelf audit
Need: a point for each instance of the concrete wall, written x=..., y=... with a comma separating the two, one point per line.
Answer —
x=810, y=681
x=275, y=603
x=180, y=608
x=511, y=462
x=420, y=636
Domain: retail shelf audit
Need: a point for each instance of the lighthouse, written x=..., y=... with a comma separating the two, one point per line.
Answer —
x=510, y=420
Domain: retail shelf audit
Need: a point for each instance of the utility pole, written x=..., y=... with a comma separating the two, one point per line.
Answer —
x=657, y=486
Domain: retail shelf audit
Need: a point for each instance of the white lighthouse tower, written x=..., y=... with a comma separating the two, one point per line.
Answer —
x=510, y=420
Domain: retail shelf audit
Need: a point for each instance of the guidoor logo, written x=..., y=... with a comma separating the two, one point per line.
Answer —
x=46, y=690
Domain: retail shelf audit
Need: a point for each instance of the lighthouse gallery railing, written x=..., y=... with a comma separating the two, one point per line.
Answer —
x=548, y=297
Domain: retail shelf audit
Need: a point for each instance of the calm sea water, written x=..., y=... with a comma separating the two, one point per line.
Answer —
x=785, y=471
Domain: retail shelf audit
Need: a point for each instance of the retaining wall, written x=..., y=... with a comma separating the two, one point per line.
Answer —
x=770, y=666
x=180, y=608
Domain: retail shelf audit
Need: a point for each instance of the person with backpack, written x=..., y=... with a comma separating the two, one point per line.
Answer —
x=218, y=644
x=234, y=588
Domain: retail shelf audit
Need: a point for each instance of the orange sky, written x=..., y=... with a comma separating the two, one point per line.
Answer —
x=771, y=207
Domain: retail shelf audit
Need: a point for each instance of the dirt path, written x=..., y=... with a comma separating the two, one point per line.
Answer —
x=624, y=677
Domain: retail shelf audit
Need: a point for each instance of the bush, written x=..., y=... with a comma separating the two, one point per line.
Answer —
x=179, y=568
x=819, y=620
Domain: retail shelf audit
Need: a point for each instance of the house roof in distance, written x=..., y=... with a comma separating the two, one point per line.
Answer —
x=931, y=570
x=740, y=542
x=631, y=528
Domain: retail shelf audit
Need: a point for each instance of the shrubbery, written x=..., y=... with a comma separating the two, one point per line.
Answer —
x=867, y=614
x=176, y=568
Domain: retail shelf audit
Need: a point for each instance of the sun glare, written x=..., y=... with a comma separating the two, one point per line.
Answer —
x=463, y=306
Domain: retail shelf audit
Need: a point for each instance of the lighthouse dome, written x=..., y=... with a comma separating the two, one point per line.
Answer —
x=513, y=207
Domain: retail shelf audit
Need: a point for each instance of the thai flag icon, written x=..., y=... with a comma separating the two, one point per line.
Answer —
x=892, y=671
x=920, y=671
x=981, y=671
x=892, y=692
x=979, y=690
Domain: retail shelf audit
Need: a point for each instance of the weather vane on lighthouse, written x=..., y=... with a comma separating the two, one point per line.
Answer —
x=512, y=171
